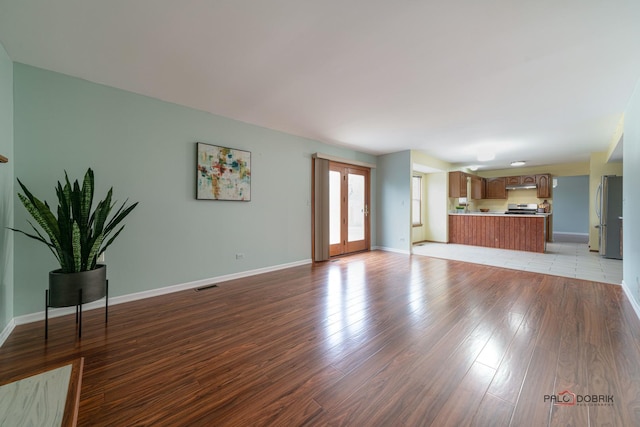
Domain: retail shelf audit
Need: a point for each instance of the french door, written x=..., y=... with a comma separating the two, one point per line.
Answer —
x=349, y=224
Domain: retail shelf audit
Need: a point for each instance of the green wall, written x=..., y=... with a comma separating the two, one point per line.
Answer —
x=571, y=205
x=145, y=149
x=6, y=189
x=630, y=197
x=394, y=201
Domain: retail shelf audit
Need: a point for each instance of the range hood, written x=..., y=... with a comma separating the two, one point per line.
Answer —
x=521, y=186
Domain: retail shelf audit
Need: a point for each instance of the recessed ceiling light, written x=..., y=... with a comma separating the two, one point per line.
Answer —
x=518, y=163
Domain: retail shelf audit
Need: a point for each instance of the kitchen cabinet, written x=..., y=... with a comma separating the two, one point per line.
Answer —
x=517, y=232
x=477, y=187
x=543, y=183
x=521, y=180
x=458, y=184
x=513, y=180
x=496, y=188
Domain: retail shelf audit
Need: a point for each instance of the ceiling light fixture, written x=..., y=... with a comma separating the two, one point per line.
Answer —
x=485, y=157
x=473, y=168
x=518, y=163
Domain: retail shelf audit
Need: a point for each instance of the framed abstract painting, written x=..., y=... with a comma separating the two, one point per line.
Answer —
x=223, y=173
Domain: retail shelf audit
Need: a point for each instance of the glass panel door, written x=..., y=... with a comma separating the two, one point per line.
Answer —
x=356, y=207
x=349, y=209
x=335, y=183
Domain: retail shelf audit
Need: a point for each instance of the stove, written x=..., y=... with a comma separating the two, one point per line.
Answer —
x=522, y=209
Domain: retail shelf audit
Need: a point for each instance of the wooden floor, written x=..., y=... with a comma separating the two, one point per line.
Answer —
x=375, y=339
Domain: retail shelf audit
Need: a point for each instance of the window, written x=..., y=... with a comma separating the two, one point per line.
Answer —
x=416, y=201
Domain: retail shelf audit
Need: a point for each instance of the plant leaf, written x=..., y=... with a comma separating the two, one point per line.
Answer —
x=43, y=216
x=93, y=253
x=77, y=249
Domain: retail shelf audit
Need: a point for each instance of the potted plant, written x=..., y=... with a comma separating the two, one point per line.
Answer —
x=76, y=237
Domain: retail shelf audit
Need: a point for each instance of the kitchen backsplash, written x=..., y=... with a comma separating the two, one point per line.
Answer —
x=513, y=196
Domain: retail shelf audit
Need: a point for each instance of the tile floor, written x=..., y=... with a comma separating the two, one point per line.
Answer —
x=561, y=259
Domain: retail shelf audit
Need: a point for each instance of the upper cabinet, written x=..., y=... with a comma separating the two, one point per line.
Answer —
x=457, y=184
x=521, y=180
x=496, y=188
x=543, y=183
x=513, y=180
x=478, y=186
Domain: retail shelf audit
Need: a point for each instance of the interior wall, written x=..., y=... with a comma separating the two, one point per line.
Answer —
x=630, y=198
x=571, y=207
x=6, y=189
x=436, y=215
x=146, y=149
x=418, y=157
x=394, y=201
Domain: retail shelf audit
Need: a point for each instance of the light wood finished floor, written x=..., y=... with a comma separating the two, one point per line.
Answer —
x=374, y=339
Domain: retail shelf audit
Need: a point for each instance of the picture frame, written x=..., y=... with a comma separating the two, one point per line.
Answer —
x=222, y=173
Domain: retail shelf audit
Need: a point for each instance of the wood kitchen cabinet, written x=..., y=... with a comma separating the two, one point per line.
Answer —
x=496, y=188
x=521, y=180
x=513, y=180
x=543, y=183
x=478, y=186
x=517, y=232
x=457, y=184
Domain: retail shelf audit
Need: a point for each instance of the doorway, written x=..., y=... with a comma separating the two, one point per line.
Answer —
x=349, y=220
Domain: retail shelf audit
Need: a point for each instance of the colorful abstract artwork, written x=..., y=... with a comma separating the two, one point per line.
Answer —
x=223, y=173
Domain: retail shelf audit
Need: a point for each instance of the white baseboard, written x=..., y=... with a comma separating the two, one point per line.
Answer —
x=386, y=249
x=56, y=312
x=571, y=234
x=631, y=299
x=7, y=331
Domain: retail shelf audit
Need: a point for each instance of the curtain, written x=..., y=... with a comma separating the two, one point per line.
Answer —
x=321, y=210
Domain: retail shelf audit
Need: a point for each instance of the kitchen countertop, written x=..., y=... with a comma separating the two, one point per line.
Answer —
x=499, y=214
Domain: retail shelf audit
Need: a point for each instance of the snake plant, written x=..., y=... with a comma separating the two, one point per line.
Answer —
x=78, y=236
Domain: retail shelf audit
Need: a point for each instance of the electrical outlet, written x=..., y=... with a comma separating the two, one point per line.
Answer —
x=240, y=256
x=101, y=258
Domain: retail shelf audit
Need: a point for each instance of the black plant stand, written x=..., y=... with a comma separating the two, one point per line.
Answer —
x=47, y=303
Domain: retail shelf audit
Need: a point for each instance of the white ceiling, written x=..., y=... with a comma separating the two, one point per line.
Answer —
x=542, y=81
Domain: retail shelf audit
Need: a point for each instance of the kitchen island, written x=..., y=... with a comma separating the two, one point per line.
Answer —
x=499, y=230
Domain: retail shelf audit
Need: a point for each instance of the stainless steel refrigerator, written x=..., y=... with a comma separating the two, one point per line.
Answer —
x=609, y=210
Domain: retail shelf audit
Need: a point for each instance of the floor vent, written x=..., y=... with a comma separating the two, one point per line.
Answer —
x=203, y=288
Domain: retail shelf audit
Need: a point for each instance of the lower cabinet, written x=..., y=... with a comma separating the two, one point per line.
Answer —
x=522, y=233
